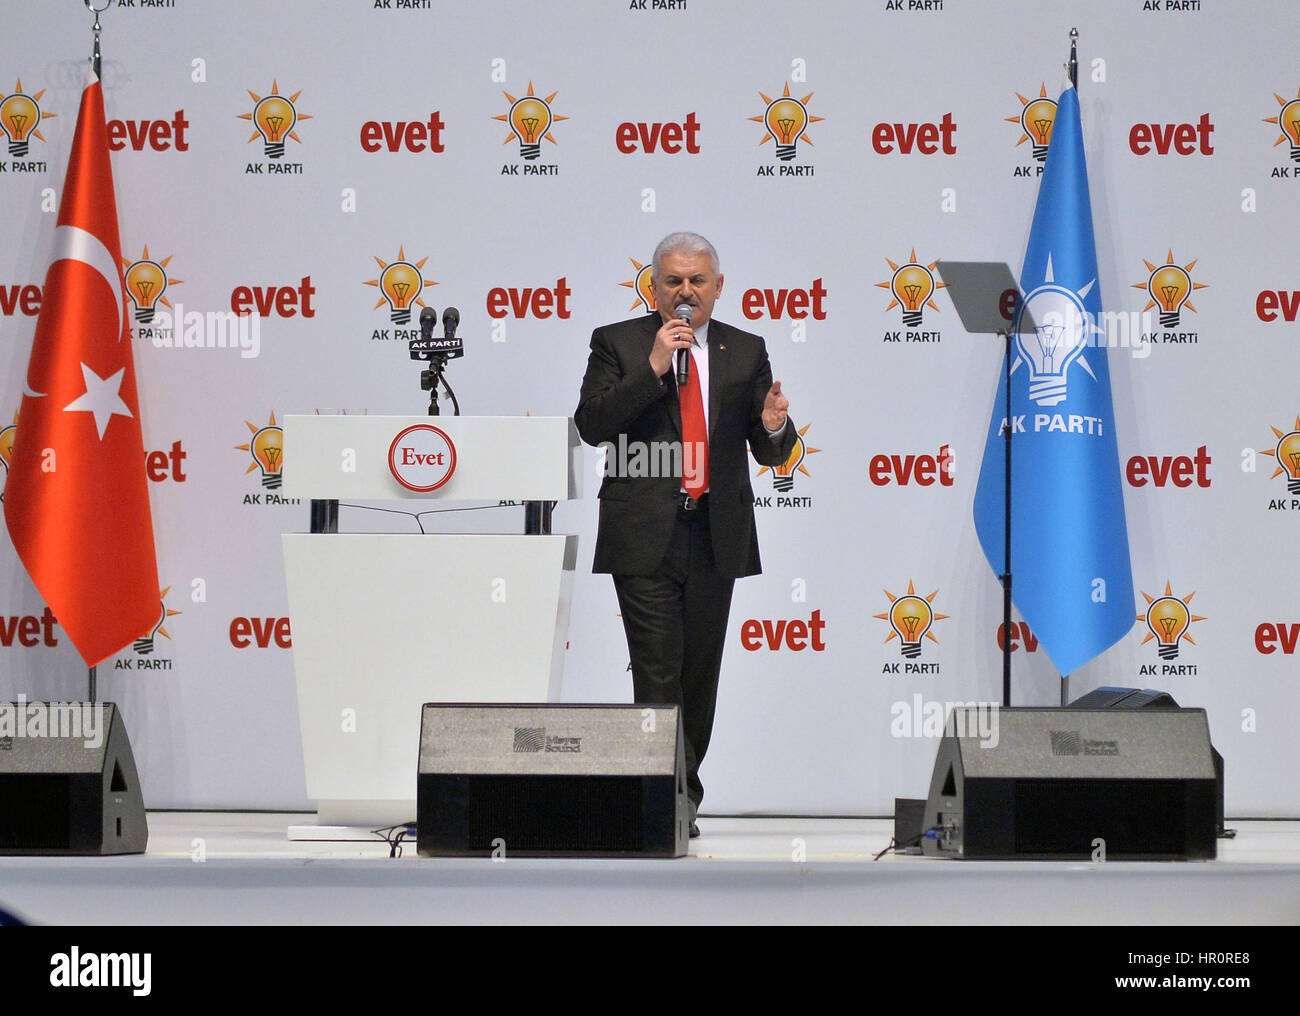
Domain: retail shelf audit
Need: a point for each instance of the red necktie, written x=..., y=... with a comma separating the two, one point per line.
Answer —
x=695, y=448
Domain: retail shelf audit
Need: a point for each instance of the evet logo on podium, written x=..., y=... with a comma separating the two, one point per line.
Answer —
x=422, y=458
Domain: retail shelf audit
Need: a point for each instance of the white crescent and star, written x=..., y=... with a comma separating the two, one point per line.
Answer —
x=72, y=243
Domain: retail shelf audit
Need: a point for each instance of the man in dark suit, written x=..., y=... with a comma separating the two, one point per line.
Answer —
x=676, y=506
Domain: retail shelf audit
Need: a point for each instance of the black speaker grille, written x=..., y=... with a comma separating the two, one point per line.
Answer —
x=1135, y=818
x=556, y=813
x=35, y=811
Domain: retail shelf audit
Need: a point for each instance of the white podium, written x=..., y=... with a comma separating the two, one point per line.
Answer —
x=384, y=622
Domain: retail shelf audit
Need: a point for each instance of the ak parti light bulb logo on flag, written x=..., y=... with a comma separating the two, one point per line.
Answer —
x=401, y=284
x=1062, y=329
x=913, y=284
x=1288, y=122
x=786, y=119
x=20, y=119
x=267, y=450
x=1037, y=118
x=275, y=117
x=145, y=643
x=783, y=475
x=1169, y=286
x=146, y=281
x=530, y=119
x=1168, y=617
x=910, y=617
x=641, y=284
x=1287, y=453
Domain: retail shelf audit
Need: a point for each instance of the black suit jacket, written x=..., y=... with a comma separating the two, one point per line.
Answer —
x=625, y=404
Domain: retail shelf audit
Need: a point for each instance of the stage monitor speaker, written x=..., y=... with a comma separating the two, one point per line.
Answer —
x=1124, y=698
x=68, y=783
x=1150, y=698
x=551, y=780
x=1072, y=784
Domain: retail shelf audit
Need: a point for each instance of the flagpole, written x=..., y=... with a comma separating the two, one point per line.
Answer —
x=96, y=64
x=1072, y=68
x=97, y=11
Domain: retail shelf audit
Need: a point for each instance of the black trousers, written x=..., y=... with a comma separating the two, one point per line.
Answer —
x=676, y=622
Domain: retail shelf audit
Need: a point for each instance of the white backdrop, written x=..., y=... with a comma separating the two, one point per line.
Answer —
x=816, y=731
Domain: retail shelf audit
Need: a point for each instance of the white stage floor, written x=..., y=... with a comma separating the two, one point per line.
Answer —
x=215, y=868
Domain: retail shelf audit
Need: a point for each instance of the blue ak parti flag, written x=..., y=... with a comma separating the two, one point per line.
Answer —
x=1072, y=580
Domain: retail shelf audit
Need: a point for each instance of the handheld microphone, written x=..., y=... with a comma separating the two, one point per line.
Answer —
x=450, y=322
x=428, y=318
x=684, y=311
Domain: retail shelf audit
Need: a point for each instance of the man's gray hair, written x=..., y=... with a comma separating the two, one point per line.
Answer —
x=691, y=243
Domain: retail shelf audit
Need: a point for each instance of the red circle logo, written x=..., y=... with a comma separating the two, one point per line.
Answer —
x=422, y=458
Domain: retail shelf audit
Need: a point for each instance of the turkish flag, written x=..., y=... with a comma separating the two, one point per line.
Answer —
x=77, y=500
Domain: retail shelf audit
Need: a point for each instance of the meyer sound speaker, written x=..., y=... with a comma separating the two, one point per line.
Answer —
x=1151, y=698
x=68, y=783
x=551, y=780
x=1073, y=784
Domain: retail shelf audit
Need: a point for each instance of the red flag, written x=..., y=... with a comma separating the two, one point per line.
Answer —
x=77, y=501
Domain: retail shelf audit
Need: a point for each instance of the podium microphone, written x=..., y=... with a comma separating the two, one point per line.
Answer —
x=450, y=322
x=428, y=318
x=684, y=311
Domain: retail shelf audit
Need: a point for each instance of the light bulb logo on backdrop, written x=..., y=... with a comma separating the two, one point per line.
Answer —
x=1169, y=287
x=1288, y=123
x=267, y=450
x=640, y=284
x=1168, y=618
x=146, y=282
x=1037, y=117
x=7, y=435
x=1287, y=453
x=400, y=284
x=144, y=645
x=20, y=119
x=275, y=117
x=530, y=119
x=912, y=285
x=910, y=618
x=786, y=119
x=783, y=475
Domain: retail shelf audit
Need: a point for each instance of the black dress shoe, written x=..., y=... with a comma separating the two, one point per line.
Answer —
x=695, y=830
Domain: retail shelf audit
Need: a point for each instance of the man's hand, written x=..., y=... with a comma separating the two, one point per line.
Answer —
x=673, y=335
x=775, y=406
